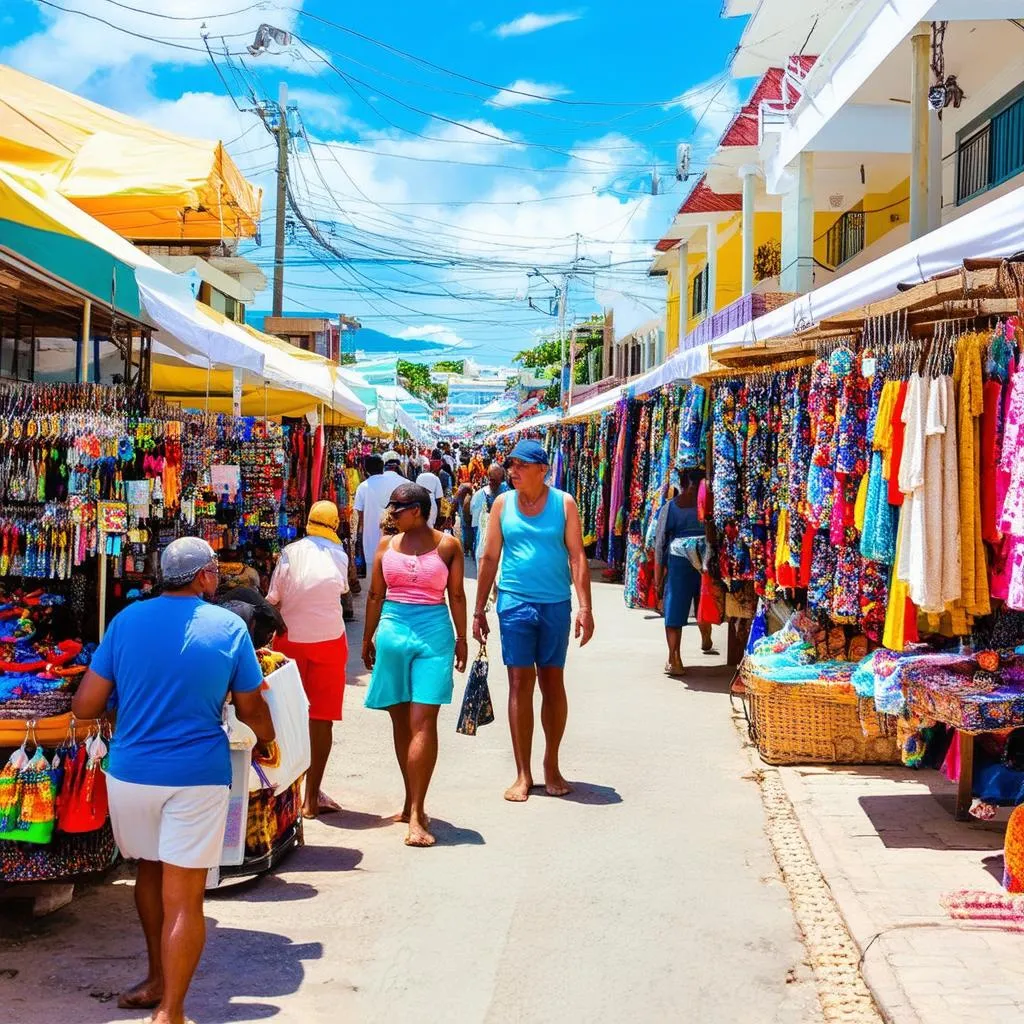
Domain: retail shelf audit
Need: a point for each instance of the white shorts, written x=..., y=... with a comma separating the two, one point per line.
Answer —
x=182, y=826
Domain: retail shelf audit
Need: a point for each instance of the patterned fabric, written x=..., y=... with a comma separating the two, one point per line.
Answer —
x=270, y=817
x=821, y=475
x=690, y=451
x=66, y=857
x=966, y=699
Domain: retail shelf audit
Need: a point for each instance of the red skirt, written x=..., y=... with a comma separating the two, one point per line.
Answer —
x=322, y=670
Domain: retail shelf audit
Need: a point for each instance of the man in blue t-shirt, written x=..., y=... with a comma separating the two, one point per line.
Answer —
x=170, y=663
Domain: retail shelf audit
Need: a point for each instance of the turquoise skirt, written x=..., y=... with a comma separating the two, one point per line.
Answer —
x=415, y=656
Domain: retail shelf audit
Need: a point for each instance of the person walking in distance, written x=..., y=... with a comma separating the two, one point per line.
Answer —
x=678, y=550
x=409, y=643
x=536, y=534
x=171, y=662
x=307, y=586
x=370, y=498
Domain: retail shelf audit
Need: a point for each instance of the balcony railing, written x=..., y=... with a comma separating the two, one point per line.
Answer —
x=845, y=238
x=992, y=154
x=973, y=159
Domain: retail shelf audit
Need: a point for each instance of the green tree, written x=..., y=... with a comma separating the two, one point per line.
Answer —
x=416, y=379
x=450, y=366
x=545, y=358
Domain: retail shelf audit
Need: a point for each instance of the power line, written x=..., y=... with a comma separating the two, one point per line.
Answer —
x=260, y=6
x=469, y=78
x=118, y=28
x=349, y=79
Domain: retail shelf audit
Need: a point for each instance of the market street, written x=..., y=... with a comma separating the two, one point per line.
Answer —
x=650, y=895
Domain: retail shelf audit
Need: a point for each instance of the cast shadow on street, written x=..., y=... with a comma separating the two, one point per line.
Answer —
x=707, y=678
x=356, y=820
x=995, y=866
x=240, y=967
x=448, y=834
x=924, y=821
x=270, y=888
x=312, y=857
x=590, y=793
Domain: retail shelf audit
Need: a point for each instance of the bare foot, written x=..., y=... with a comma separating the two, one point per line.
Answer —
x=144, y=996
x=519, y=791
x=405, y=815
x=555, y=785
x=418, y=834
x=675, y=671
x=310, y=812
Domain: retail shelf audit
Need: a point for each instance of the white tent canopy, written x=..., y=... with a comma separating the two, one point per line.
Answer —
x=545, y=419
x=186, y=333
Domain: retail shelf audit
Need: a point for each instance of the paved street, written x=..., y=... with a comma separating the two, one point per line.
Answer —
x=650, y=895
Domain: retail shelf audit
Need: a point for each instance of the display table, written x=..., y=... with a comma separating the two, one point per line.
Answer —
x=970, y=701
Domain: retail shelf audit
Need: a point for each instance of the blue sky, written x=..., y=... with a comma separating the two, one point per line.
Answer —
x=438, y=194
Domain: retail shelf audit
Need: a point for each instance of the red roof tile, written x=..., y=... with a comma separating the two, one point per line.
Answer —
x=743, y=131
x=703, y=200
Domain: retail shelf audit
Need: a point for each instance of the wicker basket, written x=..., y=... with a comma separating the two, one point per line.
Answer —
x=815, y=723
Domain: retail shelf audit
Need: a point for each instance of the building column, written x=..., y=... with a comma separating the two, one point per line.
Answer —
x=85, y=349
x=749, y=175
x=684, y=298
x=934, y=169
x=712, y=243
x=920, y=122
x=798, y=228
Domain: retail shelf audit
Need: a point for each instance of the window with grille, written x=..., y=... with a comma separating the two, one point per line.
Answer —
x=700, y=300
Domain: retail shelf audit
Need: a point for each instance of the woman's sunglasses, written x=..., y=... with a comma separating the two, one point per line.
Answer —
x=402, y=508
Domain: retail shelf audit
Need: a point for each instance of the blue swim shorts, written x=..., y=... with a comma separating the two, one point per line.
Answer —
x=533, y=634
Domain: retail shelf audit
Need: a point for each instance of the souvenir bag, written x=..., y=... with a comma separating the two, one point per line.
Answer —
x=711, y=607
x=27, y=796
x=477, y=709
x=82, y=800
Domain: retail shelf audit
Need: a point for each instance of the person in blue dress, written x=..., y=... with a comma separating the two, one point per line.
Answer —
x=678, y=552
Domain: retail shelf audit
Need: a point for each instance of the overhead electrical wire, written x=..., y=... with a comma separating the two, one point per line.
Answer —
x=403, y=244
x=120, y=28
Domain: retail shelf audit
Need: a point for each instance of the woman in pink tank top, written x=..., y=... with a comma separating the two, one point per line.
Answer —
x=412, y=640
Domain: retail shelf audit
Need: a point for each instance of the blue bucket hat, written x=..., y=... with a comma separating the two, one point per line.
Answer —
x=530, y=451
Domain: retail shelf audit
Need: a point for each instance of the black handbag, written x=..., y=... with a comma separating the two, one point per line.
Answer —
x=477, y=709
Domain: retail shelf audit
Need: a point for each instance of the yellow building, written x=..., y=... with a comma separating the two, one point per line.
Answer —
x=849, y=207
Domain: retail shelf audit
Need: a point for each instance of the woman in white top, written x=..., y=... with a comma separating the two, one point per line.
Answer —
x=307, y=585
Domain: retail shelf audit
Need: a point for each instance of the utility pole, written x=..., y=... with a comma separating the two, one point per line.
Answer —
x=566, y=391
x=282, y=189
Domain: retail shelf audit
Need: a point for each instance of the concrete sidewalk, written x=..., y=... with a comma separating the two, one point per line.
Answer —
x=889, y=848
x=650, y=895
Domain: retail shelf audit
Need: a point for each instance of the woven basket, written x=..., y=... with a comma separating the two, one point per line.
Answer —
x=814, y=723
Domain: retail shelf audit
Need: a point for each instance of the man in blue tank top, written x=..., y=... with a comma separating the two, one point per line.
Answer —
x=536, y=534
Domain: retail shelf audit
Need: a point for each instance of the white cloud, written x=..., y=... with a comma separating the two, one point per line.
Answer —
x=531, y=22
x=431, y=332
x=420, y=263
x=72, y=49
x=323, y=110
x=712, y=104
x=512, y=95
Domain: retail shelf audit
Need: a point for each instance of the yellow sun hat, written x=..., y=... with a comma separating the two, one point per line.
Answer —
x=323, y=521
